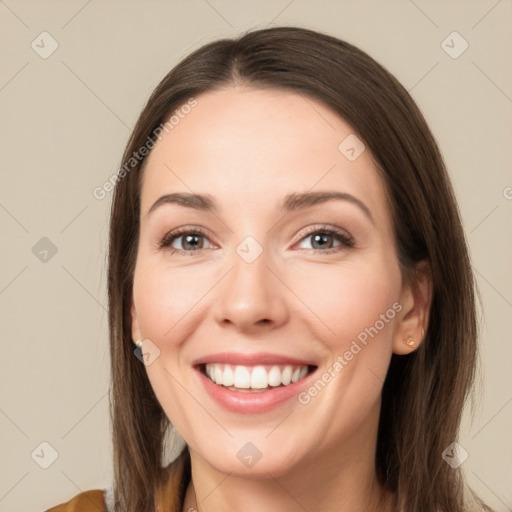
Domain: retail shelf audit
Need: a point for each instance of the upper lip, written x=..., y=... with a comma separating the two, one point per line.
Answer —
x=258, y=358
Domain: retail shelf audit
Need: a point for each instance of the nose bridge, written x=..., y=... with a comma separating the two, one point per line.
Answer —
x=251, y=292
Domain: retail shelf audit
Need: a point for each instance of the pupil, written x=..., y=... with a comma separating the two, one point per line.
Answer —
x=317, y=237
x=188, y=239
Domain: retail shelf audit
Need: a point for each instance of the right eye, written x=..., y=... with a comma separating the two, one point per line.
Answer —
x=189, y=240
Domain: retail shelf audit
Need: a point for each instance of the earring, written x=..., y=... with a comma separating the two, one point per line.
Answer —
x=409, y=342
x=138, y=343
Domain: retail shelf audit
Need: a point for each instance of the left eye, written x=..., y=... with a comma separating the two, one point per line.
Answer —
x=324, y=237
x=325, y=240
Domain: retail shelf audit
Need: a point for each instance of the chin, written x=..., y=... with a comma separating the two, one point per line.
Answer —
x=250, y=460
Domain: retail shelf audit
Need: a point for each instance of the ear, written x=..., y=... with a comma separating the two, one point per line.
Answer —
x=416, y=300
x=136, y=334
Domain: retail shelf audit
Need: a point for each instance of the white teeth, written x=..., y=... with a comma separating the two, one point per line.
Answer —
x=274, y=376
x=218, y=374
x=242, y=378
x=286, y=376
x=228, y=379
x=257, y=377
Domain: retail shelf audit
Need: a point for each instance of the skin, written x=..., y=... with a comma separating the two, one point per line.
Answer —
x=249, y=148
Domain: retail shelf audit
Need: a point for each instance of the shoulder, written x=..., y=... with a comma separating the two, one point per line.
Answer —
x=88, y=501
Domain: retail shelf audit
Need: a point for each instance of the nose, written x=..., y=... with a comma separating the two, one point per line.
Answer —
x=252, y=296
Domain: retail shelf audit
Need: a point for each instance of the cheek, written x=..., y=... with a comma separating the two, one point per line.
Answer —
x=351, y=301
x=164, y=296
x=165, y=300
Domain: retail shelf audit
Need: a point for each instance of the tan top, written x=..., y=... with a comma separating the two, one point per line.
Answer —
x=88, y=501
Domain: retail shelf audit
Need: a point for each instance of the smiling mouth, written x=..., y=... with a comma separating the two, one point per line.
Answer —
x=257, y=378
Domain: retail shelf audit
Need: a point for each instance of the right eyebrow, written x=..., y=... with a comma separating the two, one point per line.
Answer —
x=197, y=201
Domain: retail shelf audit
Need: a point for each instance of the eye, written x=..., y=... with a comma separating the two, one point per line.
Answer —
x=191, y=240
x=323, y=238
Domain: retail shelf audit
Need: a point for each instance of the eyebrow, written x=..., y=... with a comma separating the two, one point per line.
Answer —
x=291, y=202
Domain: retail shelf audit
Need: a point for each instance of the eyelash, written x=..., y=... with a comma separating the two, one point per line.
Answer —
x=346, y=240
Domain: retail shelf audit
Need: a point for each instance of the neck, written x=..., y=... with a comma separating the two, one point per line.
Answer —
x=339, y=479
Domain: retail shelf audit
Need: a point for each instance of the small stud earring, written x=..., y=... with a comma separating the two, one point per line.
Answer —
x=409, y=342
x=138, y=343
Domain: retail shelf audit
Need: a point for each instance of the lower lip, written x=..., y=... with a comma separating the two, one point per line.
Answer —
x=252, y=402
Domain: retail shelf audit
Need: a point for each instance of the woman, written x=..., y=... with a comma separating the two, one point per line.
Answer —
x=315, y=347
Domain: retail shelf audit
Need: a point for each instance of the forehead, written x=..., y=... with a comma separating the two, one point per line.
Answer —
x=253, y=146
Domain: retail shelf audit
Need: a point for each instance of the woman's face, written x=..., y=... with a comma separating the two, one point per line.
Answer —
x=263, y=293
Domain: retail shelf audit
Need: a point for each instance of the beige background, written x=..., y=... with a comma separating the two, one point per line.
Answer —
x=65, y=120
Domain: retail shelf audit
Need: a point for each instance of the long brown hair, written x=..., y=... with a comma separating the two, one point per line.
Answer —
x=424, y=392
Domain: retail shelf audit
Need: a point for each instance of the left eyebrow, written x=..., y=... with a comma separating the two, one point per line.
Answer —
x=291, y=202
x=304, y=200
